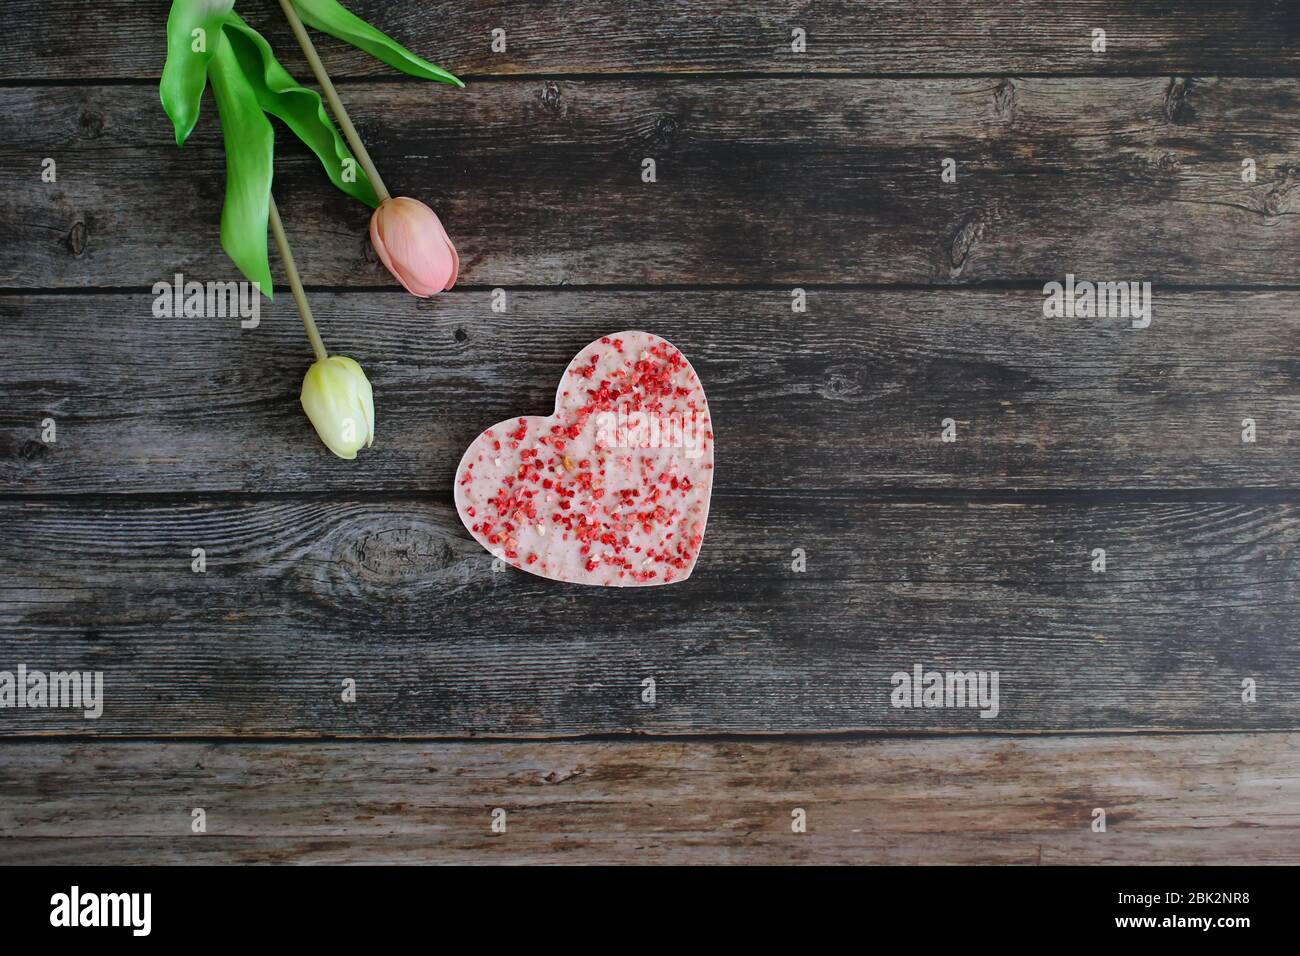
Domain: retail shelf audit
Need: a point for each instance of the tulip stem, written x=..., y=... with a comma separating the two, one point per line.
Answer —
x=332, y=97
x=295, y=283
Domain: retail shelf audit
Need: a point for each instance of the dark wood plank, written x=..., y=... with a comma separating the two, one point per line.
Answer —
x=846, y=397
x=124, y=38
x=300, y=595
x=786, y=181
x=1168, y=799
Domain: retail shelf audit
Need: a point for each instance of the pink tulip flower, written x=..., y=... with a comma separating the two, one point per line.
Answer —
x=413, y=246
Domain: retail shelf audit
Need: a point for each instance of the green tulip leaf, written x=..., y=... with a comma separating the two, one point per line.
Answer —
x=329, y=16
x=193, y=35
x=301, y=109
x=250, y=153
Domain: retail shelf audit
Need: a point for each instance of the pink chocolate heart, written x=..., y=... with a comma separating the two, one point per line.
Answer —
x=613, y=488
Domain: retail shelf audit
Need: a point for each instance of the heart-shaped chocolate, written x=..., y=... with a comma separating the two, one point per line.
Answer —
x=613, y=488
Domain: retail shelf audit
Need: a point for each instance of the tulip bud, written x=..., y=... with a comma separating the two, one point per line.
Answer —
x=337, y=398
x=411, y=243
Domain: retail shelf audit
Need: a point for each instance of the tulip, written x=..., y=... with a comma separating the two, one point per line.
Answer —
x=337, y=398
x=413, y=246
x=336, y=394
x=406, y=234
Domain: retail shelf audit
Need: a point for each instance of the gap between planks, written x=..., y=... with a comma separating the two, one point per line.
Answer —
x=774, y=738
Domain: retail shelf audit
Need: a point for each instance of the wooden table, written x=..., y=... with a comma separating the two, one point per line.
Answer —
x=1126, y=690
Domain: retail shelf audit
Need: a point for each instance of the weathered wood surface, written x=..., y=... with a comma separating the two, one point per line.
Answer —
x=1168, y=799
x=123, y=39
x=300, y=595
x=846, y=397
x=786, y=181
x=818, y=170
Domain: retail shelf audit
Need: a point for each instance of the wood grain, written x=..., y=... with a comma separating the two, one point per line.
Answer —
x=818, y=170
x=777, y=181
x=300, y=595
x=124, y=38
x=847, y=397
x=1170, y=799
